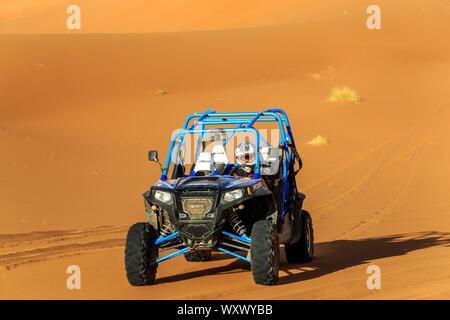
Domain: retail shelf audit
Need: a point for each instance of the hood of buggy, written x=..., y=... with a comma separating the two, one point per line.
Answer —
x=213, y=182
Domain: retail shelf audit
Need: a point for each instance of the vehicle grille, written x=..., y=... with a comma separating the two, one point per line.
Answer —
x=197, y=206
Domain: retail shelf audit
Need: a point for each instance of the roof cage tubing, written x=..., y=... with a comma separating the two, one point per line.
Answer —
x=224, y=116
x=202, y=124
x=286, y=122
x=218, y=119
x=203, y=131
x=283, y=119
x=201, y=117
x=211, y=121
x=255, y=118
x=199, y=141
x=180, y=139
x=208, y=116
x=232, y=133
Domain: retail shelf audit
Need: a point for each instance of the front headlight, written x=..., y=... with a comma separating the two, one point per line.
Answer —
x=163, y=196
x=233, y=195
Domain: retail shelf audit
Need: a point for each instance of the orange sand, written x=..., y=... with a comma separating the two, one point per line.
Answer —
x=80, y=109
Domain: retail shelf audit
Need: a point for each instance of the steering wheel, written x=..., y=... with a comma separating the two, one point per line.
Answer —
x=233, y=170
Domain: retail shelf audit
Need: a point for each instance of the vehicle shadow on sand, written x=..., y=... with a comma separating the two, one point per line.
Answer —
x=237, y=266
x=338, y=255
x=330, y=256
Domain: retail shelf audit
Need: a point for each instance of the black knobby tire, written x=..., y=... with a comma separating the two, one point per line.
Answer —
x=303, y=249
x=265, y=252
x=140, y=256
x=197, y=256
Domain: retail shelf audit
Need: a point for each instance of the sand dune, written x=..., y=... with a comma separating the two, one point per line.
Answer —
x=80, y=109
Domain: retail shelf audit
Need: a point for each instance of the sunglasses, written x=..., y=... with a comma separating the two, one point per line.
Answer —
x=246, y=158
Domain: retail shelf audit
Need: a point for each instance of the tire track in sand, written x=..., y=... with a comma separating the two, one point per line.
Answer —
x=396, y=149
x=389, y=209
x=421, y=152
x=33, y=247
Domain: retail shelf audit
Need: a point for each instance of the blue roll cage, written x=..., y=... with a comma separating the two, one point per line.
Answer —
x=245, y=122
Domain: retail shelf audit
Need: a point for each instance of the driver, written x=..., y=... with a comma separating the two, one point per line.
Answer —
x=245, y=156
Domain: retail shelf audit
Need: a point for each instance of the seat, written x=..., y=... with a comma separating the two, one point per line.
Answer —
x=220, y=158
x=204, y=164
x=270, y=160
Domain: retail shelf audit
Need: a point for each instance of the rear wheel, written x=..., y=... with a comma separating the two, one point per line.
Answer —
x=140, y=256
x=265, y=253
x=303, y=249
x=197, y=256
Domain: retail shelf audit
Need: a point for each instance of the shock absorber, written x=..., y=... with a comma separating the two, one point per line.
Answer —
x=236, y=222
x=167, y=227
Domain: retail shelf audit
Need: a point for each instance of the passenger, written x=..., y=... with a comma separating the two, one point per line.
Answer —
x=245, y=154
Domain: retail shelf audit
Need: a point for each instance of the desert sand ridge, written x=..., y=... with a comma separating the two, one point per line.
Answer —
x=79, y=109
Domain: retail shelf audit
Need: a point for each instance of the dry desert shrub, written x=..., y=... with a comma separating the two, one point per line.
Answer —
x=344, y=94
x=318, y=141
x=316, y=76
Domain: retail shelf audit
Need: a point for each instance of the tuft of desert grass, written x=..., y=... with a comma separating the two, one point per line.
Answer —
x=318, y=141
x=316, y=76
x=344, y=94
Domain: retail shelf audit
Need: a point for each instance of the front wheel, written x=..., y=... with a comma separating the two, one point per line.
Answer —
x=140, y=256
x=303, y=249
x=265, y=253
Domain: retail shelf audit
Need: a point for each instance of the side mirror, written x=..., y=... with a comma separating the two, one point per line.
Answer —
x=153, y=155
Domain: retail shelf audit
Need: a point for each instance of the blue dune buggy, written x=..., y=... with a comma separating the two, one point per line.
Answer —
x=204, y=208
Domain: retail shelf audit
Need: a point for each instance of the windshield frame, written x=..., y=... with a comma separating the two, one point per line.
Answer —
x=180, y=136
